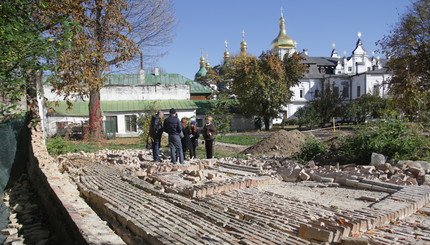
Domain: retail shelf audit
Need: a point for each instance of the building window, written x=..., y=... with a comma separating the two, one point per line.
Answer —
x=358, y=91
x=199, y=122
x=369, y=68
x=317, y=93
x=349, y=68
x=345, y=92
x=339, y=72
x=130, y=123
x=302, y=92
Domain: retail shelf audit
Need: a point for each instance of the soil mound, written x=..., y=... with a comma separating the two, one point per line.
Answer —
x=279, y=144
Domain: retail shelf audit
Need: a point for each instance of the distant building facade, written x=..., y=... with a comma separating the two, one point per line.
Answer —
x=125, y=97
x=353, y=76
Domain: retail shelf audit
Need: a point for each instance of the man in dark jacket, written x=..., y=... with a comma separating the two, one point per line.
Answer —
x=208, y=133
x=173, y=127
x=155, y=132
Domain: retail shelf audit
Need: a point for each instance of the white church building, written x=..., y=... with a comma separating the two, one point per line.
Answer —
x=353, y=76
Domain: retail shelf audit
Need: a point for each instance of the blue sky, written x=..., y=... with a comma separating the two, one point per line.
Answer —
x=314, y=24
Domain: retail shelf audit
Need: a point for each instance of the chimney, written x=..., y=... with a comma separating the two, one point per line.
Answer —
x=156, y=71
x=141, y=70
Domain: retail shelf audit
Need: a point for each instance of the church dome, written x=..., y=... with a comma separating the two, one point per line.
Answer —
x=202, y=71
x=282, y=41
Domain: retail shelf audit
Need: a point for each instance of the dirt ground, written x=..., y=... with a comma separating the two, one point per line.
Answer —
x=332, y=197
x=279, y=144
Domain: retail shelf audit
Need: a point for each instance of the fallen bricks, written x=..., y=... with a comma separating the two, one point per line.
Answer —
x=229, y=210
x=156, y=217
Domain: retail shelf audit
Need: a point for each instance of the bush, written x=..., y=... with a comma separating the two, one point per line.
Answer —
x=394, y=139
x=58, y=146
x=311, y=149
x=291, y=121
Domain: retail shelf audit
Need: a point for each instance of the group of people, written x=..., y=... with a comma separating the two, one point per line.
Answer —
x=183, y=138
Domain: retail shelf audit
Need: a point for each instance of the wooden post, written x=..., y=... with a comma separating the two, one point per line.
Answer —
x=334, y=124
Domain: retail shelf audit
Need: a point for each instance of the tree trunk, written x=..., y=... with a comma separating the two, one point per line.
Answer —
x=96, y=118
x=267, y=124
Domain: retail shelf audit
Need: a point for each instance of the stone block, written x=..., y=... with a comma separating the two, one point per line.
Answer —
x=354, y=241
x=417, y=171
x=377, y=160
x=289, y=174
x=303, y=175
x=314, y=233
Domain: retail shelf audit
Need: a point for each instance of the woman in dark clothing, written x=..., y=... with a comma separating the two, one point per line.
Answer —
x=186, y=139
x=208, y=132
x=194, y=135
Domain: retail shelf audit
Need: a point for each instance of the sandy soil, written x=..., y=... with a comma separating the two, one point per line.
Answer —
x=332, y=197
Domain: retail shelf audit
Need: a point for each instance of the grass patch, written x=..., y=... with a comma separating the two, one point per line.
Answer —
x=58, y=145
x=239, y=140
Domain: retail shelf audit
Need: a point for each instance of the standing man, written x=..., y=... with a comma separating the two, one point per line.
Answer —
x=155, y=132
x=208, y=133
x=173, y=127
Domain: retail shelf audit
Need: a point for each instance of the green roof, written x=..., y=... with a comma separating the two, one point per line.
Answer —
x=161, y=79
x=81, y=108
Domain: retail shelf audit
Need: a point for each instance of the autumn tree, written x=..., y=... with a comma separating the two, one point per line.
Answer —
x=408, y=46
x=216, y=79
x=109, y=33
x=262, y=85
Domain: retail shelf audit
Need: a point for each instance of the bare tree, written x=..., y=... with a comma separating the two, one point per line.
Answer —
x=152, y=25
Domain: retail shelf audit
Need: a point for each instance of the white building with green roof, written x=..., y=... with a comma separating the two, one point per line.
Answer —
x=124, y=98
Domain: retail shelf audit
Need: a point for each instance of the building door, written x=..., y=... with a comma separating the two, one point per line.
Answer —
x=111, y=127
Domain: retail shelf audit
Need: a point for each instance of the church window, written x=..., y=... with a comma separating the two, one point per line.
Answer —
x=369, y=68
x=130, y=123
x=302, y=92
x=349, y=68
x=358, y=91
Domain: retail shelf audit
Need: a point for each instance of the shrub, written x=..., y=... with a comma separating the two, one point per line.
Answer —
x=311, y=149
x=58, y=146
x=395, y=139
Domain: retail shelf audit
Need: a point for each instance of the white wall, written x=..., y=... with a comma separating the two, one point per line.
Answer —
x=121, y=121
x=140, y=92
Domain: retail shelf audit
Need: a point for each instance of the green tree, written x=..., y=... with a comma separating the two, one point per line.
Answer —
x=408, y=46
x=262, y=85
x=329, y=105
x=25, y=49
x=308, y=116
x=222, y=113
x=367, y=106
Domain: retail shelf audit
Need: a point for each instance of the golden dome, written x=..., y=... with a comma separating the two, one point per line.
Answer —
x=283, y=40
